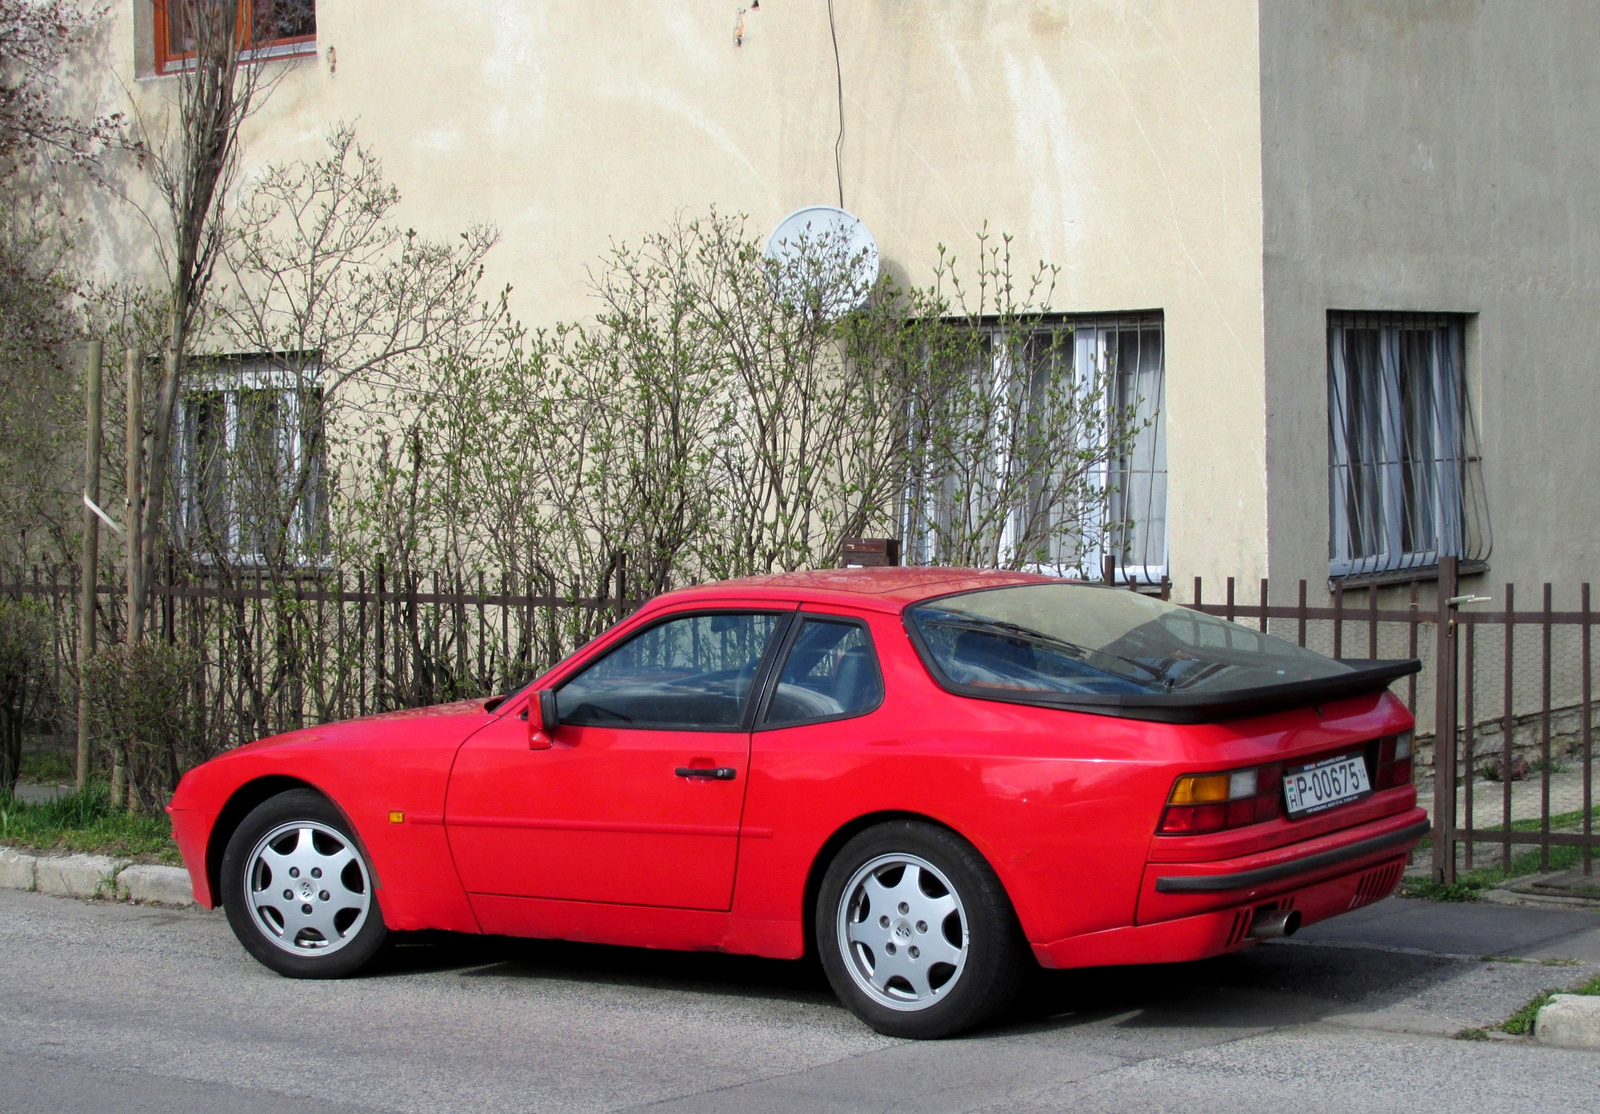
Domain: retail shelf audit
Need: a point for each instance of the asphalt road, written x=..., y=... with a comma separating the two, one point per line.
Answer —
x=119, y=1008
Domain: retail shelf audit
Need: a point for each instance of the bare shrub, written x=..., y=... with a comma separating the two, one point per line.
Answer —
x=142, y=697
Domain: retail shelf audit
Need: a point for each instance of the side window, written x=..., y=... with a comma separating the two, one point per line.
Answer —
x=831, y=672
x=685, y=674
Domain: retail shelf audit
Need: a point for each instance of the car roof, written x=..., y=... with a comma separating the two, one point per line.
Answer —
x=878, y=589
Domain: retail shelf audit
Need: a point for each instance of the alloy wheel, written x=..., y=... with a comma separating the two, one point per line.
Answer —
x=307, y=888
x=903, y=932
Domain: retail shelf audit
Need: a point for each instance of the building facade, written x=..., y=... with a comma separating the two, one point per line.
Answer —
x=1358, y=240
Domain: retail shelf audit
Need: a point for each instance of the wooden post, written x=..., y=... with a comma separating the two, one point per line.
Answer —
x=134, y=523
x=132, y=526
x=90, y=561
x=1444, y=727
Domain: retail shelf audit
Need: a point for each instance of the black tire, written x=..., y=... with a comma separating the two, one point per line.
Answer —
x=963, y=960
x=342, y=928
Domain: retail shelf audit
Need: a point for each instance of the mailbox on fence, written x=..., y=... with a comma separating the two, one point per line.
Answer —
x=870, y=552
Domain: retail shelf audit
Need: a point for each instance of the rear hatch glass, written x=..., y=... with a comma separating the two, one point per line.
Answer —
x=1117, y=652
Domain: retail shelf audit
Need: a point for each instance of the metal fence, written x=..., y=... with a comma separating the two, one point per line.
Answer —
x=1504, y=702
x=1504, y=706
x=277, y=656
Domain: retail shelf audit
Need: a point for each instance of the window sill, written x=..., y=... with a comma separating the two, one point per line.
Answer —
x=1421, y=574
x=304, y=48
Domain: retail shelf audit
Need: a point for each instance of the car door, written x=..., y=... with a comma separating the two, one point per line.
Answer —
x=638, y=799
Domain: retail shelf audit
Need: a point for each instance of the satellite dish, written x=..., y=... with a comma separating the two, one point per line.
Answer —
x=837, y=233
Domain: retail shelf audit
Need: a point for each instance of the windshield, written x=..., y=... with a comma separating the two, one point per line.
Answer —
x=1084, y=640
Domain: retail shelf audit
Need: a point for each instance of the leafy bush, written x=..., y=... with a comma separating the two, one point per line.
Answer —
x=25, y=649
x=142, y=699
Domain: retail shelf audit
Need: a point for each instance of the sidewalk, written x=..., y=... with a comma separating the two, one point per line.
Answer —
x=1465, y=929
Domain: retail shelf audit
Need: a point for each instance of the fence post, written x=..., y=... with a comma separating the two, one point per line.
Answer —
x=379, y=681
x=1544, y=740
x=1588, y=743
x=1508, y=726
x=131, y=525
x=1300, y=615
x=1444, y=728
x=91, y=551
x=1338, y=620
x=133, y=522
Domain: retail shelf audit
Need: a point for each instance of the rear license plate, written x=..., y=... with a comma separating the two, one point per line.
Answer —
x=1320, y=785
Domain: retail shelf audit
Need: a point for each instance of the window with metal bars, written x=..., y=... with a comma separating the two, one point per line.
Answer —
x=1029, y=369
x=1404, y=469
x=250, y=467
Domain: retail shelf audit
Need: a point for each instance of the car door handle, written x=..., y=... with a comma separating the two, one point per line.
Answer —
x=715, y=773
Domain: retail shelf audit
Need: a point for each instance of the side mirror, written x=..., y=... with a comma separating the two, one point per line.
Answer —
x=543, y=719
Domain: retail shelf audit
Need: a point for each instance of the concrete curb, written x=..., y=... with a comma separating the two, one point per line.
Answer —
x=98, y=876
x=1569, y=1021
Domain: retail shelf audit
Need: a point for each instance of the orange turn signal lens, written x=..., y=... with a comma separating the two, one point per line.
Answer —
x=1196, y=789
x=397, y=818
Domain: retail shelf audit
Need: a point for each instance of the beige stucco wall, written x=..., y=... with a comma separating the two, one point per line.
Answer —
x=1118, y=138
x=1440, y=156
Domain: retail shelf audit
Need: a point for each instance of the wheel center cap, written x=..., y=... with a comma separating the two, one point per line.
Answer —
x=306, y=889
x=902, y=930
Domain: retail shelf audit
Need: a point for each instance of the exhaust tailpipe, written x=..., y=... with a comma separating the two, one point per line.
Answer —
x=1271, y=924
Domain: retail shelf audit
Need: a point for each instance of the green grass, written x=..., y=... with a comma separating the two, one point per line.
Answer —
x=50, y=766
x=86, y=822
x=1469, y=883
x=1521, y=1022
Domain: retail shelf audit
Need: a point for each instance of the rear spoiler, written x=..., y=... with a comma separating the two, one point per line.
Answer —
x=1209, y=707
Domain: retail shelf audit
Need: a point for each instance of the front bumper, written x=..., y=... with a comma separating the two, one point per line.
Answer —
x=189, y=831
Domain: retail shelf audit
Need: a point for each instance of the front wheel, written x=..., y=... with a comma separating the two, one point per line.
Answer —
x=916, y=933
x=298, y=891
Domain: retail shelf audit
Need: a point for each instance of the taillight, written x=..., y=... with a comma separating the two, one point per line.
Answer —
x=1394, y=761
x=1202, y=803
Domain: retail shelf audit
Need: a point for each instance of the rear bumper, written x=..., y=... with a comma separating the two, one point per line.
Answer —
x=1223, y=930
x=1264, y=875
x=1172, y=890
x=1190, y=911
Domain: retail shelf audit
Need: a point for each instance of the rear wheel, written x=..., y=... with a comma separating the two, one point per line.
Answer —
x=916, y=933
x=298, y=891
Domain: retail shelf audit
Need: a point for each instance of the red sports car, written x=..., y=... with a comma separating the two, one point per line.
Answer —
x=932, y=777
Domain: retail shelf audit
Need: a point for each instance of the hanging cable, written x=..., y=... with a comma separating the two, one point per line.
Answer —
x=838, y=75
